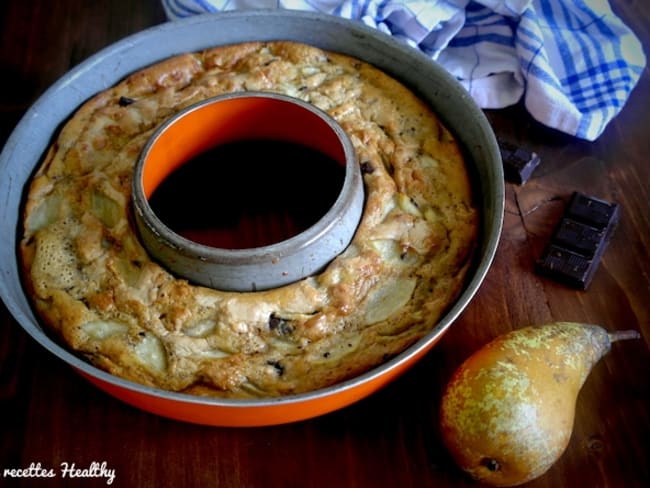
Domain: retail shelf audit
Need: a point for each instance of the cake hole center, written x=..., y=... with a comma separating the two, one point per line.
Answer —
x=248, y=193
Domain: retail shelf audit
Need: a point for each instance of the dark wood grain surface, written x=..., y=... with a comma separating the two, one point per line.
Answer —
x=50, y=416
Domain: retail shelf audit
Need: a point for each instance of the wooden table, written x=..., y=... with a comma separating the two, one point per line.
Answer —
x=51, y=416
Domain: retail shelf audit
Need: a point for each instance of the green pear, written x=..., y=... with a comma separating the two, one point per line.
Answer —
x=507, y=413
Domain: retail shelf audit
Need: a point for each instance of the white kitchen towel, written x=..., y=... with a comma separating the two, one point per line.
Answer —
x=574, y=62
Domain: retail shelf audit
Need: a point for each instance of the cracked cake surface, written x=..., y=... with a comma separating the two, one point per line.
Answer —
x=95, y=287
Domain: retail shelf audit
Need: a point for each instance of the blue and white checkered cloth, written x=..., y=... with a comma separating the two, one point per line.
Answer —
x=574, y=62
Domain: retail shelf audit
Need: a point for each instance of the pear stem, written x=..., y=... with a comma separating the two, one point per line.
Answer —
x=623, y=335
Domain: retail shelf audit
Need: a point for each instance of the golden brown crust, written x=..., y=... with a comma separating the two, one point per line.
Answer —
x=93, y=283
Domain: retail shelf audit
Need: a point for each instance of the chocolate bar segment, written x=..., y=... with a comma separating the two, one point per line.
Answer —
x=592, y=211
x=579, y=237
x=579, y=241
x=567, y=267
x=518, y=162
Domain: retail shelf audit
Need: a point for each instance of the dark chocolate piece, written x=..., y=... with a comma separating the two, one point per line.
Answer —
x=518, y=163
x=579, y=241
x=567, y=267
x=591, y=210
x=580, y=237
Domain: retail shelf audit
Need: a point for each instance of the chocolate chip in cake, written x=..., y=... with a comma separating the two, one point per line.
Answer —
x=282, y=326
x=125, y=101
x=279, y=367
x=367, y=168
